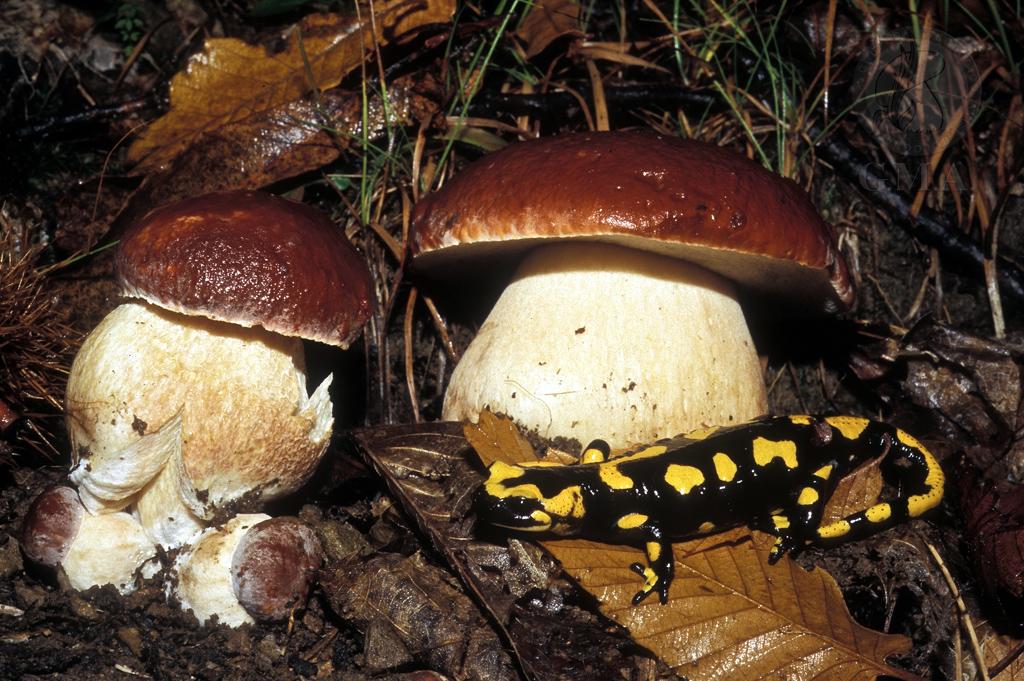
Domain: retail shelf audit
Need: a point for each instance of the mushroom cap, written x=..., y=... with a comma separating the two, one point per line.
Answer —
x=273, y=567
x=51, y=525
x=677, y=197
x=251, y=259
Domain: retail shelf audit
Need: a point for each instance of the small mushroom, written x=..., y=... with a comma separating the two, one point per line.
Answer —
x=93, y=550
x=254, y=567
x=623, y=320
x=193, y=393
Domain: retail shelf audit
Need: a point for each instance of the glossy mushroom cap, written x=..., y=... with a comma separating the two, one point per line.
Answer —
x=676, y=197
x=250, y=259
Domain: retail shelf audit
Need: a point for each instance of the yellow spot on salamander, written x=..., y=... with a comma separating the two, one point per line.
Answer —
x=766, y=451
x=878, y=513
x=645, y=453
x=543, y=521
x=650, y=579
x=706, y=528
x=632, y=521
x=616, y=479
x=592, y=456
x=800, y=420
x=725, y=467
x=613, y=477
x=808, y=496
x=653, y=549
x=500, y=472
x=781, y=522
x=565, y=504
x=935, y=479
x=824, y=472
x=833, y=530
x=683, y=478
x=850, y=426
x=701, y=433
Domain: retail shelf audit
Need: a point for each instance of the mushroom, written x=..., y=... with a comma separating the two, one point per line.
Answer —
x=192, y=394
x=253, y=568
x=623, y=322
x=92, y=549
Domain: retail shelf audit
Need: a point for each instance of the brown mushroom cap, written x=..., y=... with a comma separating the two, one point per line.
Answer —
x=274, y=566
x=683, y=198
x=51, y=525
x=251, y=259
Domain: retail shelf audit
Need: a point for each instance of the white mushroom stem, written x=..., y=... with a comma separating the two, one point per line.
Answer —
x=593, y=341
x=109, y=549
x=248, y=425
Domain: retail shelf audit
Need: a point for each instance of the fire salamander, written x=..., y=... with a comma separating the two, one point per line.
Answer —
x=774, y=474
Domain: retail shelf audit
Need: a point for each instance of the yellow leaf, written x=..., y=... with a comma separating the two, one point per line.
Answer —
x=732, y=616
x=230, y=80
x=496, y=438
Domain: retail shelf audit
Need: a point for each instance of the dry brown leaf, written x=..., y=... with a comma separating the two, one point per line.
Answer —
x=730, y=615
x=278, y=144
x=546, y=22
x=855, y=492
x=230, y=80
x=496, y=438
x=998, y=649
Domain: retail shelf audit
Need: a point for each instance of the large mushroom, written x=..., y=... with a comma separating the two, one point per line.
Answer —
x=192, y=394
x=622, y=321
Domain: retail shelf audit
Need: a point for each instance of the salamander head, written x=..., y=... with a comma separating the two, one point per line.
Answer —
x=528, y=500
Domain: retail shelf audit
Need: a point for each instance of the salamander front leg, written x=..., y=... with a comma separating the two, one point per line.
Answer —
x=659, y=570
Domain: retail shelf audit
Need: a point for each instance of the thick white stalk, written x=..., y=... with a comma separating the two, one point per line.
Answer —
x=592, y=341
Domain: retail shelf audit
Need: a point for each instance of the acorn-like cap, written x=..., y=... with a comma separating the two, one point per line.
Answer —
x=274, y=566
x=676, y=197
x=51, y=525
x=251, y=259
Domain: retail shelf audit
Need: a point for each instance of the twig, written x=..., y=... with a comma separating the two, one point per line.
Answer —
x=57, y=124
x=965, y=619
x=930, y=227
x=410, y=376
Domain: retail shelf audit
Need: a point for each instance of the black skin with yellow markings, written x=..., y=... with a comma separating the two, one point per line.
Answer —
x=773, y=474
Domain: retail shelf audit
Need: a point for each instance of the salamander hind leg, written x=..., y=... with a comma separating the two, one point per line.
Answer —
x=795, y=526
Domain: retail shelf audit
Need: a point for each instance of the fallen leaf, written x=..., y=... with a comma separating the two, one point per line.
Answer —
x=409, y=611
x=994, y=533
x=546, y=22
x=730, y=615
x=1003, y=655
x=277, y=144
x=855, y=492
x=231, y=81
